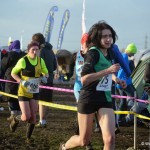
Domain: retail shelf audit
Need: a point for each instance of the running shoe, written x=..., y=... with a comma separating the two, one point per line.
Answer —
x=10, y=118
x=89, y=147
x=39, y=125
x=29, y=140
x=18, y=117
x=13, y=124
x=62, y=146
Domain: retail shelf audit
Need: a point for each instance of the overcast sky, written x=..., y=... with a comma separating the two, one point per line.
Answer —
x=129, y=18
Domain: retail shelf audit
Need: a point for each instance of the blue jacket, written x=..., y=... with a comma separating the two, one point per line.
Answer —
x=122, y=74
x=119, y=59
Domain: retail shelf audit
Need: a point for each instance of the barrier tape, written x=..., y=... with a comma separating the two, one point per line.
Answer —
x=44, y=87
x=58, y=106
x=57, y=89
x=131, y=112
x=127, y=97
x=71, y=91
x=73, y=108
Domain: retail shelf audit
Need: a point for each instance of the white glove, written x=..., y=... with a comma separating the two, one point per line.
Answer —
x=44, y=79
x=25, y=83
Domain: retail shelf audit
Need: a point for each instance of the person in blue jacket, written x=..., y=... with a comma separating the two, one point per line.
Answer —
x=118, y=58
x=130, y=89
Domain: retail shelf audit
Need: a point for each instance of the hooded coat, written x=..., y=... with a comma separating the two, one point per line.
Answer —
x=48, y=55
x=7, y=65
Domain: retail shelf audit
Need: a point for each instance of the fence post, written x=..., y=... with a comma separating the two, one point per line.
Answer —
x=135, y=122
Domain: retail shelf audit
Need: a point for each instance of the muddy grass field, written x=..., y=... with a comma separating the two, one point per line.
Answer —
x=60, y=126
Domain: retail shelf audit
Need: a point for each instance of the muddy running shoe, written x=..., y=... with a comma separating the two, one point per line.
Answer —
x=131, y=148
x=10, y=118
x=13, y=124
x=89, y=147
x=29, y=141
x=62, y=146
x=18, y=117
x=39, y=125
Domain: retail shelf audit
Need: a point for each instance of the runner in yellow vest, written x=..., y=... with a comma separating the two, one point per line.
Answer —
x=29, y=72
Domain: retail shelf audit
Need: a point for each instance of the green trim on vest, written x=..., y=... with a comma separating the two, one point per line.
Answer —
x=102, y=64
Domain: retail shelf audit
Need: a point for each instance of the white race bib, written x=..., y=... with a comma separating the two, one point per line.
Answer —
x=105, y=83
x=34, y=85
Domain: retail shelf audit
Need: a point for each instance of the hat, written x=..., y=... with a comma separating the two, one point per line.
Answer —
x=4, y=51
x=84, y=38
x=131, y=48
x=15, y=46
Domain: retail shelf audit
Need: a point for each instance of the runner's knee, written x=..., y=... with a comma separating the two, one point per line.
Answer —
x=109, y=140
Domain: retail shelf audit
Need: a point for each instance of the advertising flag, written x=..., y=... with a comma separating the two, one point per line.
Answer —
x=47, y=31
x=65, y=20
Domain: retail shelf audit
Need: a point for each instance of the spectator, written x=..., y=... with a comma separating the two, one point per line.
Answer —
x=48, y=56
x=129, y=90
x=7, y=64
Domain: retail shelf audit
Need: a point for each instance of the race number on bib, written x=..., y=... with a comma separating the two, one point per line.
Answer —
x=34, y=85
x=105, y=83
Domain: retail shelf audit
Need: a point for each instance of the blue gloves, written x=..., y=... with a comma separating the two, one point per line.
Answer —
x=44, y=79
x=25, y=83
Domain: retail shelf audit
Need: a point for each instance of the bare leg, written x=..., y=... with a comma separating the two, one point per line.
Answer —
x=85, y=131
x=42, y=111
x=33, y=110
x=107, y=123
x=25, y=109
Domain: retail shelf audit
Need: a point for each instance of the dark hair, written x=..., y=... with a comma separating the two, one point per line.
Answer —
x=33, y=43
x=95, y=34
x=38, y=37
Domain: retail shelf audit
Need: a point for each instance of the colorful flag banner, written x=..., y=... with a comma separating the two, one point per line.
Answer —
x=65, y=20
x=49, y=24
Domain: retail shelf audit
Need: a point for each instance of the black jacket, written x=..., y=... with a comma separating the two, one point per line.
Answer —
x=49, y=57
x=7, y=65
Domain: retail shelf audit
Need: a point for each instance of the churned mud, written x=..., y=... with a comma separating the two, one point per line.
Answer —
x=60, y=127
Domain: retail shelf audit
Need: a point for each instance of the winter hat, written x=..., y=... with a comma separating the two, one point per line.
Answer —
x=84, y=38
x=4, y=51
x=131, y=48
x=15, y=46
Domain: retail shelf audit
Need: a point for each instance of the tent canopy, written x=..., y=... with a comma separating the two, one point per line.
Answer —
x=138, y=73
